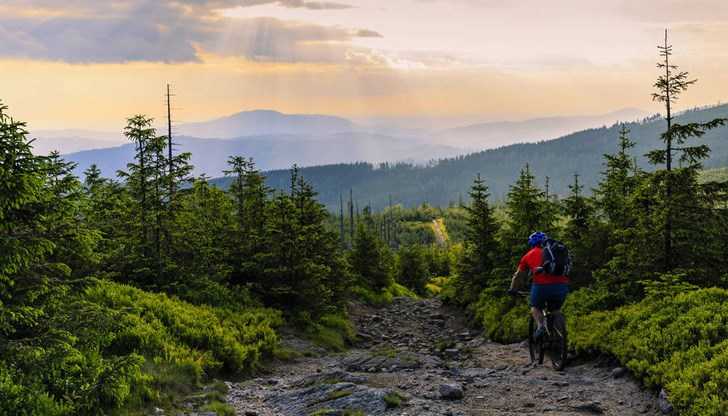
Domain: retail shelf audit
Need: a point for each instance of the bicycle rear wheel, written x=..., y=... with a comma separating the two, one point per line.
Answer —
x=559, y=347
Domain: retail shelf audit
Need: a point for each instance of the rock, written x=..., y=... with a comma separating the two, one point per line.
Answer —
x=333, y=397
x=451, y=391
x=452, y=353
x=591, y=407
x=330, y=377
x=619, y=372
x=665, y=405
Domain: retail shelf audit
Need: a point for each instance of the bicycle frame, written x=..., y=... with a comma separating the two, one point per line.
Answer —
x=554, y=340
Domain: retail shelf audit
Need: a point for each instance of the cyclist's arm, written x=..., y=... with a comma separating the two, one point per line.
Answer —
x=518, y=278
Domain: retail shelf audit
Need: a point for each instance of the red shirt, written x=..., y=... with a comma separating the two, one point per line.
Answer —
x=531, y=261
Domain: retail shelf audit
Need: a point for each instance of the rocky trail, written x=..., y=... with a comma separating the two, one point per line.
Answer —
x=417, y=357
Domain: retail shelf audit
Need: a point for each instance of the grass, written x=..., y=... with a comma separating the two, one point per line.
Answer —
x=394, y=399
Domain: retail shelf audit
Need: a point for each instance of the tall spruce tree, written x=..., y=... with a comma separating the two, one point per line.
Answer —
x=669, y=86
x=302, y=267
x=371, y=260
x=527, y=212
x=480, y=246
x=250, y=196
x=584, y=244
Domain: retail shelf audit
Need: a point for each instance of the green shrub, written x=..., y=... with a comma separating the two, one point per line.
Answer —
x=504, y=318
x=678, y=341
x=331, y=332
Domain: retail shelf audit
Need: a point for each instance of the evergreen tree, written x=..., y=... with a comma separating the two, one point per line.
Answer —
x=250, y=196
x=584, y=244
x=302, y=267
x=623, y=232
x=40, y=236
x=202, y=231
x=479, y=255
x=149, y=243
x=669, y=86
x=411, y=268
x=371, y=260
x=528, y=211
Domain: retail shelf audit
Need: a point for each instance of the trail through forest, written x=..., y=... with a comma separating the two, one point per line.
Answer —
x=417, y=357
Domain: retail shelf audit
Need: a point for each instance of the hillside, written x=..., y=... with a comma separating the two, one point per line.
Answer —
x=449, y=180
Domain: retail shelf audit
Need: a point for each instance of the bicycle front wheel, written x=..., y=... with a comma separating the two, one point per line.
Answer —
x=559, y=347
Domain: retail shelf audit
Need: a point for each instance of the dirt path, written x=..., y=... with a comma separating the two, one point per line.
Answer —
x=438, y=232
x=417, y=357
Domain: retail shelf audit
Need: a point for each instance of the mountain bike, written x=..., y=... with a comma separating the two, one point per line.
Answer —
x=552, y=341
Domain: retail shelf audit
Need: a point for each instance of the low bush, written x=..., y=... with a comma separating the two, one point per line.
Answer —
x=678, y=341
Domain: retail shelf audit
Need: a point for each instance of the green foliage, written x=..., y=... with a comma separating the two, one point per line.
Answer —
x=371, y=261
x=504, y=318
x=331, y=332
x=411, y=268
x=671, y=339
x=480, y=248
x=394, y=399
x=201, y=338
x=384, y=297
x=220, y=409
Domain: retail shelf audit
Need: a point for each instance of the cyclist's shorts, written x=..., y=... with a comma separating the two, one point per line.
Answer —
x=553, y=295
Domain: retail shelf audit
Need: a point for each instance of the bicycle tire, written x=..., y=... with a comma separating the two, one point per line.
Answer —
x=532, y=340
x=559, y=343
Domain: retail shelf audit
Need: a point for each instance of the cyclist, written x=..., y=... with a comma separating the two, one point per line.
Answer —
x=546, y=288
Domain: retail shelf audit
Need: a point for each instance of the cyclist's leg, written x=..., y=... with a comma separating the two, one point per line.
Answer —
x=555, y=295
x=538, y=303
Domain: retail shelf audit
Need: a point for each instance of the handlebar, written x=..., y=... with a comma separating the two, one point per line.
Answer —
x=519, y=293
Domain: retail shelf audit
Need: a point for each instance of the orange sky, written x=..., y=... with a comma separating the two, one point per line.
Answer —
x=89, y=64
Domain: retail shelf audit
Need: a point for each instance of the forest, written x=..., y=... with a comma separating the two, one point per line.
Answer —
x=121, y=295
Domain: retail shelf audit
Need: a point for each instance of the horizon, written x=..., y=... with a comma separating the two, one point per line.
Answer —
x=91, y=65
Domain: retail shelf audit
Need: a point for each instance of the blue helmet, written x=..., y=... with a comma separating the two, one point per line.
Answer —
x=536, y=238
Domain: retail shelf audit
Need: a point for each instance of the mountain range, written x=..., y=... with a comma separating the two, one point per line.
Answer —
x=337, y=162
x=277, y=141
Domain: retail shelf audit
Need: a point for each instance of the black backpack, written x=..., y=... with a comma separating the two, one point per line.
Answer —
x=555, y=258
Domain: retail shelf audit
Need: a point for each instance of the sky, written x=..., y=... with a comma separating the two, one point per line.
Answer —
x=92, y=64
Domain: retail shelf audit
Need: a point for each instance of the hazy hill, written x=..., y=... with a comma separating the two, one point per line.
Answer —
x=277, y=141
x=74, y=140
x=271, y=152
x=449, y=180
x=267, y=122
x=491, y=135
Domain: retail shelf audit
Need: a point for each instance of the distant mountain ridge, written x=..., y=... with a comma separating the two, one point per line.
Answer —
x=276, y=141
x=496, y=134
x=267, y=122
x=449, y=180
x=272, y=152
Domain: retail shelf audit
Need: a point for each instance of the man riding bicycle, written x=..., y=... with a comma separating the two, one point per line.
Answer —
x=546, y=289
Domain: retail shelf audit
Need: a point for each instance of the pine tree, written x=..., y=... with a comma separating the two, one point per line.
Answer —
x=371, y=260
x=479, y=255
x=669, y=86
x=579, y=236
x=250, y=196
x=302, y=267
x=527, y=212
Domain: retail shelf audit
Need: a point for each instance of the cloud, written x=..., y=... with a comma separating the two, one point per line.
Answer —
x=313, y=5
x=366, y=33
x=91, y=31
